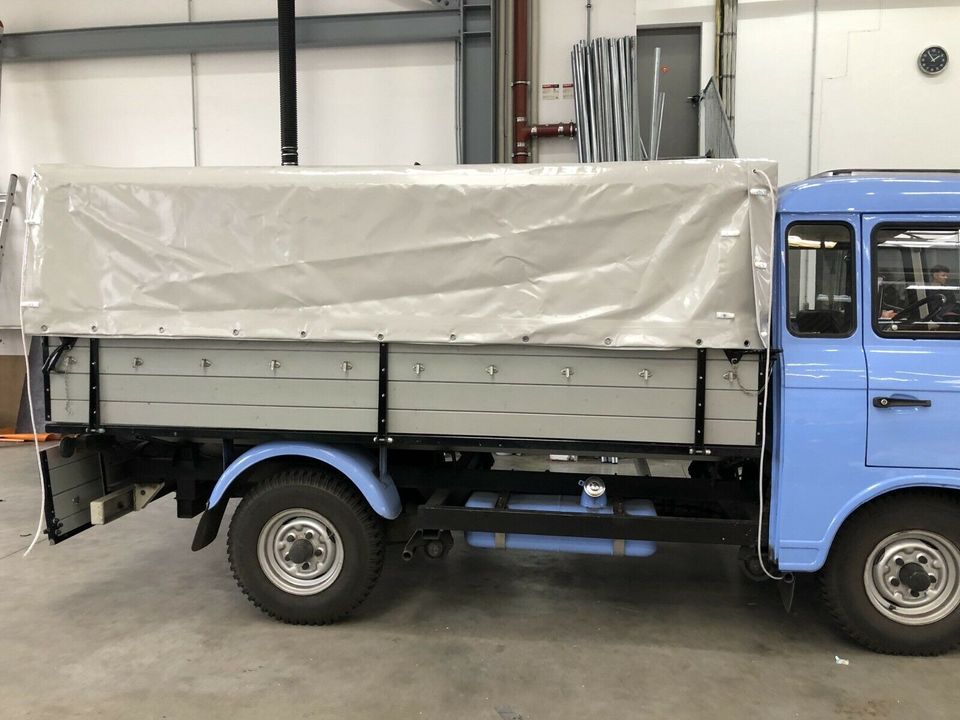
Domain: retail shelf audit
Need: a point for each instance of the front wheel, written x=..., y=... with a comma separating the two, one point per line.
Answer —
x=892, y=580
x=305, y=547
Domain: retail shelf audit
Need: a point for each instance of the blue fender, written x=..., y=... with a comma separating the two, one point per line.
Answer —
x=810, y=555
x=357, y=465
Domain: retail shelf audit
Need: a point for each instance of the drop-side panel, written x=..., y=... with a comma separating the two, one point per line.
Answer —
x=539, y=393
x=324, y=387
x=551, y=393
x=69, y=485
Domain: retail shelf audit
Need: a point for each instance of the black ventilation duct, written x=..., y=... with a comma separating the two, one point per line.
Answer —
x=287, y=35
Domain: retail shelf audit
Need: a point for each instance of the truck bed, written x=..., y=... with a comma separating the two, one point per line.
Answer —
x=684, y=400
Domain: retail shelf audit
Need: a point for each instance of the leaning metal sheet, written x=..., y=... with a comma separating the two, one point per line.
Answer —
x=661, y=254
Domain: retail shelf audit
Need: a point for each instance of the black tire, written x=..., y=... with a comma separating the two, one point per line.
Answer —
x=356, y=529
x=844, y=586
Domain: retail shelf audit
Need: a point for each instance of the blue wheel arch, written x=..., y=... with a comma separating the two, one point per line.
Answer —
x=356, y=465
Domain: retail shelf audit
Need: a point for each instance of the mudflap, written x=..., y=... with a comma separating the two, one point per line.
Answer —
x=788, y=588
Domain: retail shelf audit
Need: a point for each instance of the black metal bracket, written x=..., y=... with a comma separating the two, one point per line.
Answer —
x=442, y=512
x=45, y=354
x=656, y=489
x=52, y=359
x=93, y=422
x=700, y=416
x=761, y=393
x=382, y=437
x=53, y=524
x=447, y=443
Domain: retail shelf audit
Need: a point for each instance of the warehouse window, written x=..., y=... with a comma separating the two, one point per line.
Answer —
x=820, y=286
x=916, y=288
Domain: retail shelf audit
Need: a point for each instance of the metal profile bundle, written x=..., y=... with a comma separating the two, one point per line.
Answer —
x=606, y=100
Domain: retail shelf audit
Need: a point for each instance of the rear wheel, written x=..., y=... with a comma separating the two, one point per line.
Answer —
x=893, y=577
x=305, y=547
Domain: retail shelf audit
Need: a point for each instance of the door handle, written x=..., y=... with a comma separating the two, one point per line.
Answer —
x=895, y=402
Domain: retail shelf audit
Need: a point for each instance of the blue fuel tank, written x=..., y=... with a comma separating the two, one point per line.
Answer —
x=551, y=543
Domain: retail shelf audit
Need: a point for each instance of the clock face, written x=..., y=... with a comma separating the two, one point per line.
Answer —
x=933, y=60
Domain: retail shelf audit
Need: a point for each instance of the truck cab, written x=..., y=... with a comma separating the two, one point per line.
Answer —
x=867, y=388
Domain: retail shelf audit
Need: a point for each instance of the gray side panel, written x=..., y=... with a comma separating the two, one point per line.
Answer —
x=255, y=392
x=533, y=392
x=177, y=415
x=73, y=506
x=71, y=483
x=522, y=425
x=579, y=427
x=539, y=366
x=730, y=432
x=240, y=359
x=223, y=384
x=69, y=473
x=557, y=400
x=73, y=411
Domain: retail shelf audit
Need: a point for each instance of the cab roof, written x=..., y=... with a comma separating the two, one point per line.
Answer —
x=874, y=191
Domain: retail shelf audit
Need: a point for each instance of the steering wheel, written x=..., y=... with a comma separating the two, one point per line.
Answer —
x=935, y=315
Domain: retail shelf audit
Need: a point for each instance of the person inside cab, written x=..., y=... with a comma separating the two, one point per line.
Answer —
x=942, y=303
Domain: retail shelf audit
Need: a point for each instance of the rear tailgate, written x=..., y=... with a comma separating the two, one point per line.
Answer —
x=69, y=485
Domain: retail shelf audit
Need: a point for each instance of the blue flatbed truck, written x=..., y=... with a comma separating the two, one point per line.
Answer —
x=851, y=469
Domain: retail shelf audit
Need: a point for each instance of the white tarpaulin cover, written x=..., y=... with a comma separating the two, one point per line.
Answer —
x=662, y=254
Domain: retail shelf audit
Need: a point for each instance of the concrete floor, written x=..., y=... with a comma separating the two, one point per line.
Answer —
x=125, y=622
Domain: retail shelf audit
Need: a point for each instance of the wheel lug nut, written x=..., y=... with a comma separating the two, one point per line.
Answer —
x=309, y=535
x=899, y=561
x=290, y=538
x=933, y=579
x=895, y=582
x=306, y=566
x=287, y=558
x=922, y=559
x=914, y=593
x=318, y=552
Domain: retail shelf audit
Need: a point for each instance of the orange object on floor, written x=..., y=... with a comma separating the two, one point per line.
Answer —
x=28, y=437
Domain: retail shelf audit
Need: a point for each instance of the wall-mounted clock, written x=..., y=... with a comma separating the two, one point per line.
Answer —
x=933, y=60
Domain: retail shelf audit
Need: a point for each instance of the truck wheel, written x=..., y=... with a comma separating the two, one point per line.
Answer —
x=892, y=580
x=305, y=547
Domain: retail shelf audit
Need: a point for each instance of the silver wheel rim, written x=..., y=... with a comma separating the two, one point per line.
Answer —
x=300, y=552
x=891, y=574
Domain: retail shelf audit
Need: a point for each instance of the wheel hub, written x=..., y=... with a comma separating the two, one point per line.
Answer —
x=300, y=552
x=913, y=577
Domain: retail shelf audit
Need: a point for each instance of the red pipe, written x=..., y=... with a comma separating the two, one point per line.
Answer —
x=523, y=132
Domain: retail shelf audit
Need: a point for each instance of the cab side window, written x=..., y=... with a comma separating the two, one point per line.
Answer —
x=820, y=282
x=916, y=290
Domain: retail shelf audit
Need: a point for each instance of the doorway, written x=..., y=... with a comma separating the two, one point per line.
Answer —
x=679, y=81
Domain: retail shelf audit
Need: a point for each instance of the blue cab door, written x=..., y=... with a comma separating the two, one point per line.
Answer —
x=911, y=338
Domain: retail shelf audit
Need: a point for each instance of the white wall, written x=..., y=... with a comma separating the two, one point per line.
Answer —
x=871, y=106
x=359, y=106
x=562, y=23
